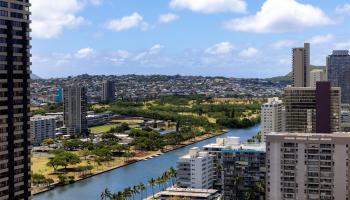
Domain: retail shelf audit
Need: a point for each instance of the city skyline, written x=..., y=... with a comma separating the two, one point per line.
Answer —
x=116, y=37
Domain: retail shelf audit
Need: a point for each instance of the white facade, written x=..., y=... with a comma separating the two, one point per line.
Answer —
x=308, y=166
x=272, y=117
x=195, y=170
x=317, y=75
x=42, y=127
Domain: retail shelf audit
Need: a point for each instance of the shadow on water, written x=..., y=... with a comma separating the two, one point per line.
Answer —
x=128, y=176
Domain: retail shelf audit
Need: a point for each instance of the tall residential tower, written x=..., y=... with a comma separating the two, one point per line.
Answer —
x=75, y=108
x=108, y=91
x=272, y=117
x=338, y=69
x=301, y=66
x=14, y=99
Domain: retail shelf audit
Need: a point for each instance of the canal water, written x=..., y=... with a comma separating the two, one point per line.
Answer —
x=118, y=179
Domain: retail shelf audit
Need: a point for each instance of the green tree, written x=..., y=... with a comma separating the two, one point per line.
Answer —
x=38, y=179
x=48, y=141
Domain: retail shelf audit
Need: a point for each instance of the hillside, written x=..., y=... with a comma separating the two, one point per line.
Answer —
x=288, y=78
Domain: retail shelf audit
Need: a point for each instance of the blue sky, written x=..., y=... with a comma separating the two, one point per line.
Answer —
x=233, y=38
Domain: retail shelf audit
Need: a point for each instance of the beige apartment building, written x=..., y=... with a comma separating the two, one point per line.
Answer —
x=308, y=166
x=301, y=66
x=317, y=75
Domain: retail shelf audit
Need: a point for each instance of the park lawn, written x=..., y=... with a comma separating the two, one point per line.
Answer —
x=39, y=165
x=100, y=106
x=210, y=119
x=101, y=129
x=128, y=121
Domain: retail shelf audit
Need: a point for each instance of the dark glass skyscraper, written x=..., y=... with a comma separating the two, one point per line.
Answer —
x=14, y=99
x=338, y=70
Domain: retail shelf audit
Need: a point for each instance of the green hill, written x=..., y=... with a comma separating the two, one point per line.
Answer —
x=288, y=78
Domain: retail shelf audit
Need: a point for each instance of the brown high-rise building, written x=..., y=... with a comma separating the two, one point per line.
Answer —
x=14, y=98
x=312, y=110
x=301, y=66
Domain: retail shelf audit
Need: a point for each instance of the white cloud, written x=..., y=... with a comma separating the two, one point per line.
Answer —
x=84, y=53
x=210, y=6
x=281, y=16
x=343, y=9
x=96, y=2
x=321, y=39
x=128, y=22
x=220, y=48
x=284, y=44
x=167, y=18
x=342, y=45
x=154, y=50
x=249, y=52
x=50, y=19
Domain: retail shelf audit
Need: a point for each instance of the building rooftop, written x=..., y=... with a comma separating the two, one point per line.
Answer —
x=312, y=136
x=189, y=192
x=41, y=117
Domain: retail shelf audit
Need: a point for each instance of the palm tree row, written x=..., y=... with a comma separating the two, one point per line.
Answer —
x=130, y=193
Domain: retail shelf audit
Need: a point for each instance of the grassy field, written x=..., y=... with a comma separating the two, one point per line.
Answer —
x=128, y=121
x=101, y=129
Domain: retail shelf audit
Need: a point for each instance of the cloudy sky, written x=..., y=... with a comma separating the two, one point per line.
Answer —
x=233, y=38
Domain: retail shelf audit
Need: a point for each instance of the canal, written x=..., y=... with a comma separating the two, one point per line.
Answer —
x=118, y=179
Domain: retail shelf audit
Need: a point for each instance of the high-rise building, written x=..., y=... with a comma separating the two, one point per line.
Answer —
x=304, y=106
x=308, y=166
x=108, y=91
x=338, y=69
x=75, y=108
x=272, y=117
x=317, y=75
x=195, y=170
x=43, y=127
x=301, y=66
x=15, y=137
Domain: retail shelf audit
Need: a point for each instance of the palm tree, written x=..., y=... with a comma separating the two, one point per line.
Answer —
x=142, y=188
x=152, y=183
x=172, y=174
x=261, y=188
x=135, y=190
x=250, y=194
x=106, y=194
x=237, y=180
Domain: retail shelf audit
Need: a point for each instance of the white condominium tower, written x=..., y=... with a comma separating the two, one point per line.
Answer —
x=272, y=117
x=195, y=170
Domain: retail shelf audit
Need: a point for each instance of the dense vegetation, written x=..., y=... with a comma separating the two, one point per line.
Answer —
x=193, y=111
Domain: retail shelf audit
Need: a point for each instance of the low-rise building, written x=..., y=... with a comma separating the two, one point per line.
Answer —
x=189, y=194
x=43, y=127
x=195, y=170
